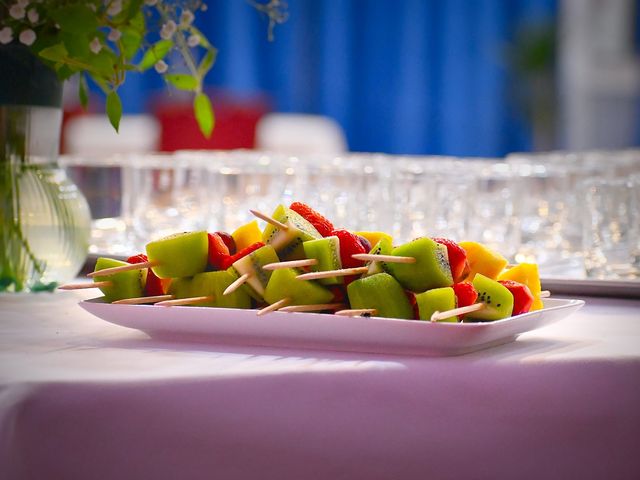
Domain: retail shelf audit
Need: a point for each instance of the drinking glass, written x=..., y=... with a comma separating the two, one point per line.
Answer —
x=611, y=222
x=162, y=195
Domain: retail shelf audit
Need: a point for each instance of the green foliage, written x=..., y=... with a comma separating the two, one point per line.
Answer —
x=204, y=113
x=106, y=40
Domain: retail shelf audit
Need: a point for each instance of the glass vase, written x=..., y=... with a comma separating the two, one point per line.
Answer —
x=44, y=218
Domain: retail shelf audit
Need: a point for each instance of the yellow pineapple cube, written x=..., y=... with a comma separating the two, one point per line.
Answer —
x=526, y=273
x=483, y=260
x=246, y=235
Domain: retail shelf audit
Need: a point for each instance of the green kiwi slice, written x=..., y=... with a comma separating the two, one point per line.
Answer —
x=283, y=284
x=210, y=284
x=179, y=255
x=383, y=247
x=124, y=284
x=288, y=243
x=430, y=270
x=327, y=252
x=252, y=264
x=382, y=292
x=497, y=299
x=436, y=300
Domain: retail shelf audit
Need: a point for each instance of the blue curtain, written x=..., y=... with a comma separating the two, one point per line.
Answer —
x=406, y=76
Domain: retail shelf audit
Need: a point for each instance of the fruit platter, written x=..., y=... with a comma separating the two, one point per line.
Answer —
x=302, y=282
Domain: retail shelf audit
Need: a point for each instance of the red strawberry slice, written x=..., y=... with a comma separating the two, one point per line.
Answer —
x=414, y=304
x=228, y=241
x=457, y=258
x=218, y=251
x=349, y=245
x=227, y=262
x=320, y=222
x=154, y=286
x=466, y=293
x=522, y=296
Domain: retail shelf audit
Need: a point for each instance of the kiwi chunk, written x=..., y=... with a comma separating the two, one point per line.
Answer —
x=252, y=264
x=383, y=247
x=382, y=292
x=430, y=270
x=327, y=252
x=436, y=300
x=179, y=255
x=283, y=284
x=124, y=284
x=210, y=284
x=497, y=299
x=288, y=243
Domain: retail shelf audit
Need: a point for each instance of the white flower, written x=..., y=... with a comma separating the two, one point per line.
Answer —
x=193, y=40
x=17, y=11
x=27, y=36
x=150, y=2
x=6, y=35
x=114, y=35
x=33, y=15
x=161, y=66
x=168, y=29
x=186, y=18
x=115, y=7
x=95, y=46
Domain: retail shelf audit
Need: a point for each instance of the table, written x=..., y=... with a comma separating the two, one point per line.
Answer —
x=81, y=398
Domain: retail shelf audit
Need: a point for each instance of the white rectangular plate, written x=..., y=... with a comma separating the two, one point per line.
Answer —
x=326, y=331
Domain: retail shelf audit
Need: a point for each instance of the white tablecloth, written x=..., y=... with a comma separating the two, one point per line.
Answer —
x=81, y=398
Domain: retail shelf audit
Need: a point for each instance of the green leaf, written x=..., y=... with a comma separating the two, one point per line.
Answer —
x=102, y=63
x=204, y=114
x=134, y=8
x=77, y=45
x=182, y=81
x=82, y=91
x=114, y=109
x=203, y=39
x=156, y=52
x=131, y=41
x=55, y=53
x=207, y=62
x=78, y=19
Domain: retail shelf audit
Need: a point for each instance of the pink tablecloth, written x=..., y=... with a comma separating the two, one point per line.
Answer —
x=80, y=398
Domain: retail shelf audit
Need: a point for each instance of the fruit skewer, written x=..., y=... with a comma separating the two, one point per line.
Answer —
x=438, y=316
x=307, y=262
x=318, y=307
x=163, y=254
x=142, y=300
x=174, y=302
x=372, y=257
x=356, y=312
x=343, y=272
x=85, y=285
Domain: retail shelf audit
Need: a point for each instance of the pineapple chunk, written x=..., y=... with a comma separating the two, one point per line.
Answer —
x=526, y=273
x=483, y=260
x=246, y=235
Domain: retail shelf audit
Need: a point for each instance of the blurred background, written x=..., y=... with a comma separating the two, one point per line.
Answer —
x=460, y=77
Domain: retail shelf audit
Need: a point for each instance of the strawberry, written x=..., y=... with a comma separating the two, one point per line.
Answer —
x=320, y=222
x=349, y=245
x=522, y=296
x=466, y=293
x=228, y=261
x=414, y=304
x=457, y=258
x=218, y=251
x=228, y=241
x=153, y=286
